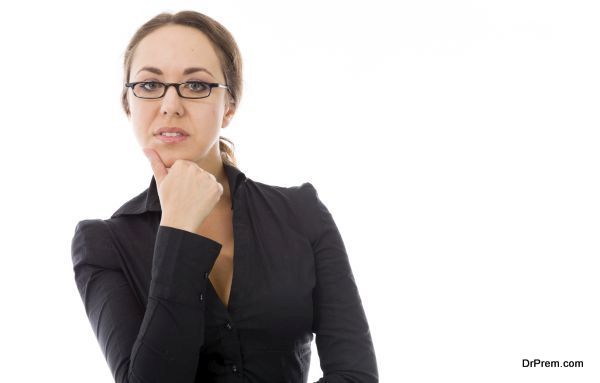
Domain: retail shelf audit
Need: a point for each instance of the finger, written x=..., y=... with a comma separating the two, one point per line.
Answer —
x=158, y=167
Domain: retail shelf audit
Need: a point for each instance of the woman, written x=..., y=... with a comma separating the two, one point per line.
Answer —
x=207, y=275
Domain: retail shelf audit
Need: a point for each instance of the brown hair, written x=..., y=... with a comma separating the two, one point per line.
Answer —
x=225, y=47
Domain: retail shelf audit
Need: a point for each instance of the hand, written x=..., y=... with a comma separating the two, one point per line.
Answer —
x=187, y=192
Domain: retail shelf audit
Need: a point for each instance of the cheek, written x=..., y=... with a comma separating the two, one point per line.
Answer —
x=135, y=108
x=211, y=114
x=141, y=115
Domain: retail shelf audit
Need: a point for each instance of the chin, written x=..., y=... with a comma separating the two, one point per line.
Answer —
x=169, y=156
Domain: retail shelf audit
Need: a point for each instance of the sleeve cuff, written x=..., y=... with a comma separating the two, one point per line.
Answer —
x=181, y=259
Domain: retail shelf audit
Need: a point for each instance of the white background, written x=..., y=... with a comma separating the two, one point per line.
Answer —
x=456, y=143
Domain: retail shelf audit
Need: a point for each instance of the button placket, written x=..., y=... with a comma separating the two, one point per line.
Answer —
x=201, y=296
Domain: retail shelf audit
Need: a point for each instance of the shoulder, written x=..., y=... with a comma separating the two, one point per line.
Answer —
x=299, y=203
x=293, y=189
x=91, y=232
x=296, y=196
x=92, y=243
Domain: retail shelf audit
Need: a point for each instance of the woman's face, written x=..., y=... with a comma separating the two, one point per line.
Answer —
x=171, y=50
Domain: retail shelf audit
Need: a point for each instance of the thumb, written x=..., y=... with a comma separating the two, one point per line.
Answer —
x=158, y=167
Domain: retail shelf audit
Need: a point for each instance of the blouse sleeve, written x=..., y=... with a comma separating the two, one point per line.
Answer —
x=160, y=342
x=343, y=338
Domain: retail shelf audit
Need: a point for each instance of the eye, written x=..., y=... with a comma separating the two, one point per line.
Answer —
x=197, y=86
x=150, y=85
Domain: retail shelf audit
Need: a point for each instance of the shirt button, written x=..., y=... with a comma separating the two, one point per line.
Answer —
x=234, y=368
x=228, y=326
x=201, y=297
x=205, y=275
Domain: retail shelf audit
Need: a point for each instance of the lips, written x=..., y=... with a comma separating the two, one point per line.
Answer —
x=167, y=129
x=171, y=140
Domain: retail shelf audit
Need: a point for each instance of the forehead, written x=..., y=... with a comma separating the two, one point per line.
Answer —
x=173, y=48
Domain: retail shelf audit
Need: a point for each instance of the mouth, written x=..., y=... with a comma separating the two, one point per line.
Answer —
x=170, y=134
x=171, y=137
x=170, y=131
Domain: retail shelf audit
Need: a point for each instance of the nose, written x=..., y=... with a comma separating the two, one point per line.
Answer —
x=171, y=102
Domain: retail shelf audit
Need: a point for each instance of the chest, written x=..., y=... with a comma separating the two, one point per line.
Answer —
x=271, y=281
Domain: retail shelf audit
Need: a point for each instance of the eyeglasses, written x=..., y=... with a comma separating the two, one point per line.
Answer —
x=156, y=89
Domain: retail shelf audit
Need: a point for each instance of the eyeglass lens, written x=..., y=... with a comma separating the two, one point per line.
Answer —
x=151, y=89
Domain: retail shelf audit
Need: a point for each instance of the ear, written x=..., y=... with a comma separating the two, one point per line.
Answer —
x=229, y=112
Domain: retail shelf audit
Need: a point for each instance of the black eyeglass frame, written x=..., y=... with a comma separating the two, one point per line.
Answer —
x=211, y=85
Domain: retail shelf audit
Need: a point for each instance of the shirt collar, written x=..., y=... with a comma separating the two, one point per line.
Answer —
x=148, y=199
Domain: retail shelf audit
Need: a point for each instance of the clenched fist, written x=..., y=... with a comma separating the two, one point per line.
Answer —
x=187, y=192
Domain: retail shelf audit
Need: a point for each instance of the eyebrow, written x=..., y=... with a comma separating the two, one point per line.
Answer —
x=185, y=72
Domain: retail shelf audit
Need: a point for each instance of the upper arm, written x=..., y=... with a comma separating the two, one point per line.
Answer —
x=343, y=337
x=158, y=343
x=111, y=307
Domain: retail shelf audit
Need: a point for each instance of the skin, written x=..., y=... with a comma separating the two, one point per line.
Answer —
x=172, y=49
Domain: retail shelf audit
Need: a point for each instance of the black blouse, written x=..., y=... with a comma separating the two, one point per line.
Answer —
x=158, y=318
